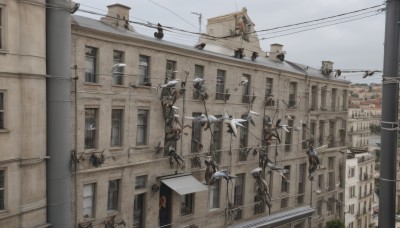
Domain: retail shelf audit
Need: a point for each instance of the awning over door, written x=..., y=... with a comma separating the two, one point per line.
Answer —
x=184, y=184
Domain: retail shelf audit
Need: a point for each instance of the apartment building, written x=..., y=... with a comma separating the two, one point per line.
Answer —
x=360, y=169
x=22, y=114
x=123, y=174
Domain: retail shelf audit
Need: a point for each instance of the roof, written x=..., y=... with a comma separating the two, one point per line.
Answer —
x=277, y=219
x=210, y=50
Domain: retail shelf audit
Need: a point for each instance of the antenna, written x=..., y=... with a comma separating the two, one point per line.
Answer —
x=198, y=14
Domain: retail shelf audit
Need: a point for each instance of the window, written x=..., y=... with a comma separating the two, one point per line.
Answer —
x=1, y=29
x=238, y=196
x=351, y=209
x=217, y=139
x=331, y=163
x=141, y=134
x=302, y=183
x=268, y=87
x=351, y=172
x=321, y=132
x=138, y=210
x=214, y=195
x=141, y=182
x=284, y=183
x=333, y=99
x=332, y=126
x=170, y=70
x=243, y=140
x=323, y=98
x=319, y=207
x=198, y=71
x=220, y=87
x=331, y=181
x=187, y=204
x=116, y=127
x=144, y=70
x=246, y=89
x=118, y=72
x=89, y=191
x=284, y=202
x=312, y=129
x=321, y=182
x=196, y=134
x=289, y=137
x=113, y=194
x=1, y=107
x=330, y=205
x=352, y=191
x=239, y=190
x=91, y=64
x=2, y=189
x=90, y=128
x=292, y=94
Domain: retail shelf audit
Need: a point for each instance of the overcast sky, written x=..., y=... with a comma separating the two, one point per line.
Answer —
x=352, y=45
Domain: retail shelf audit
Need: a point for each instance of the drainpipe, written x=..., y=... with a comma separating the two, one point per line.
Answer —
x=58, y=45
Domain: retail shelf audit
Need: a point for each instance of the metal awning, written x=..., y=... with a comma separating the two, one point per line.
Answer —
x=277, y=219
x=184, y=184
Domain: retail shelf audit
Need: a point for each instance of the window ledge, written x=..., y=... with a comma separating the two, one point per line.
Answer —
x=3, y=51
x=112, y=213
x=187, y=217
x=92, y=84
x=91, y=150
x=4, y=131
x=141, y=87
x=141, y=147
x=115, y=148
x=119, y=86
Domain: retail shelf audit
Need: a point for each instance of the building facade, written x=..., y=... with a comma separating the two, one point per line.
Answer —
x=360, y=169
x=124, y=171
x=22, y=113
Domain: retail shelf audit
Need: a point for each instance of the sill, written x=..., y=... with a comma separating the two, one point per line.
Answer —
x=4, y=131
x=119, y=86
x=140, y=147
x=141, y=87
x=112, y=213
x=3, y=212
x=219, y=101
x=91, y=219
x=187, y=217
x=115, y=148
x=91, y=150
x=214, y=210
x=3, y=51
x=92, y=84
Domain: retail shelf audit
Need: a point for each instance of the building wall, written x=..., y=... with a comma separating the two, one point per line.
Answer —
x=23, y=138
x=130, y=160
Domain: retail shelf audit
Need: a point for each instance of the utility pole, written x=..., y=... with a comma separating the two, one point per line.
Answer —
x=389, y=125
x=200, y=15
x=58, y=51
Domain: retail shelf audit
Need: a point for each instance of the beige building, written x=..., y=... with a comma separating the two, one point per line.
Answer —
x=22, y=114
x=360, y=170
x=122, y=172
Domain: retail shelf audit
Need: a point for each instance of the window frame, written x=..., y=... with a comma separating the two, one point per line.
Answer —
x=2, y=28
x=144, y=182
x=94, y=135
x=187, y=199
x=220, y=84
x=243, y=140
x=214, y=196
x=2, y=108
x=142, y=215
x=143, y=126
x=91, y=75
x=3, y=189
x=92, y=201
x=217, y=129
x=170, y=70
x=196, y=131
x=120, y=127
x=292, y=98
x=198, y=74
x=246, y=88
x=285, y=185
x=238, y=196
x=118, y=72
x=144, y=69
x=289, y=137
x=113, y=195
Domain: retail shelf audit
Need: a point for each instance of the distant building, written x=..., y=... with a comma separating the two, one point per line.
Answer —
x=22, y=113
x=360, y=170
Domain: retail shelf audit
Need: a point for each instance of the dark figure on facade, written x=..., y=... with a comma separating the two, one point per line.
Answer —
x=160, y=33
x=163, y=212
x=313, y=161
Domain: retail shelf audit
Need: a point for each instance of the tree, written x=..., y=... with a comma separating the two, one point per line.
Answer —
x=335, y=223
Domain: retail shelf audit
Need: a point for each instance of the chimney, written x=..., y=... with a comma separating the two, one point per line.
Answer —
x=118, y=16
x=327, y=67
x=276, y=52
